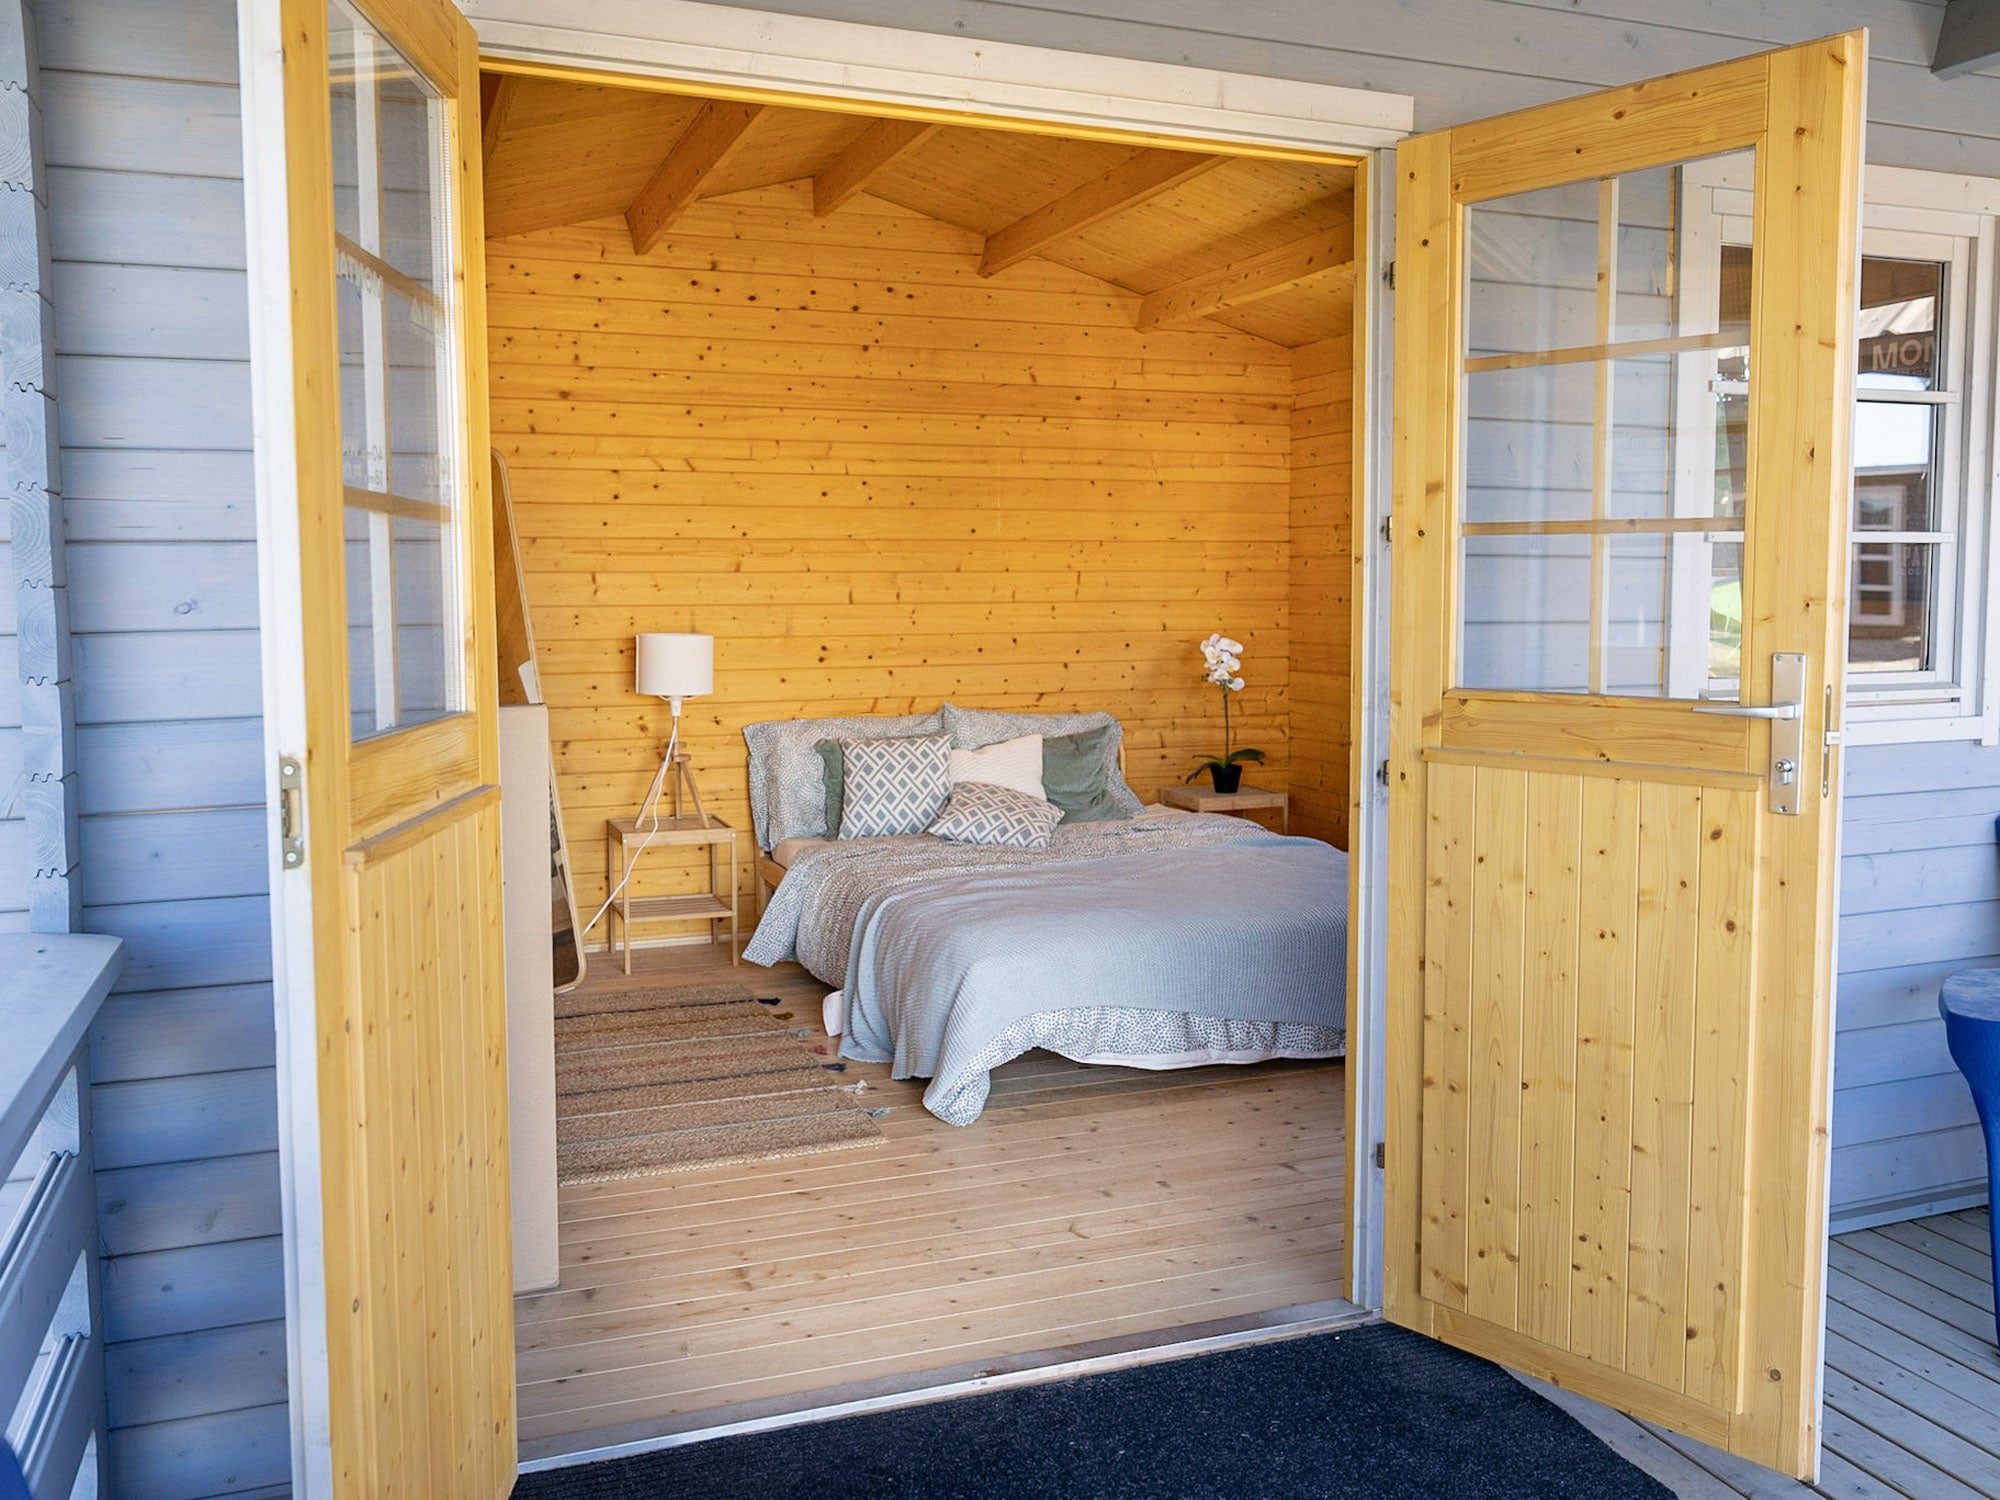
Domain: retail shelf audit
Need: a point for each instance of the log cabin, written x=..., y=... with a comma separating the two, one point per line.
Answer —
x=978, y=354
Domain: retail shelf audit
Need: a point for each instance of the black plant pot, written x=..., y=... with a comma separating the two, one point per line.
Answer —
x=1226, y=778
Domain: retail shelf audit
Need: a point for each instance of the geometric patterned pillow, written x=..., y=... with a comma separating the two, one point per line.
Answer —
x=981, y=813
x=893, y=786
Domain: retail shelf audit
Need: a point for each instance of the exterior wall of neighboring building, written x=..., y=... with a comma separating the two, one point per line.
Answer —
x=142, y=131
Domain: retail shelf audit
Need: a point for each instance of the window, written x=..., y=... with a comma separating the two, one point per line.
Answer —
x=1918, y=657
x=1910, y=649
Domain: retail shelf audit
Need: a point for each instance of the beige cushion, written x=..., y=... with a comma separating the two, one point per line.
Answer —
x=1015, y=763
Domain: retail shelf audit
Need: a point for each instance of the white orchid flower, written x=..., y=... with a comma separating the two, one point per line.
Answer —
x=1236, y=684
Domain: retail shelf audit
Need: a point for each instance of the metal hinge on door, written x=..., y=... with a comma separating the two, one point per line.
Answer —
x=1381, y=1153
x=291, y=812
x=1389, y=275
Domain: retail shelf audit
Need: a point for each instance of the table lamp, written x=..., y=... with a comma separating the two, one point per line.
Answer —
x=676, y=666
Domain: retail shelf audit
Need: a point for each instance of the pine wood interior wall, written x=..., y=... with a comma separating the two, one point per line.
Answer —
x=882, y=481
x=1322, y=561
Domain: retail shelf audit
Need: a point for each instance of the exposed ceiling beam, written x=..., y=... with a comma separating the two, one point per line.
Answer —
x=1126, y=185
x=1324, y=252
x=496, y=98
x=849, y=172
x=1969, y=39
x=704, y=146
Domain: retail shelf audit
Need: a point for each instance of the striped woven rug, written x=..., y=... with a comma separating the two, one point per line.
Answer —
x=664, y=1080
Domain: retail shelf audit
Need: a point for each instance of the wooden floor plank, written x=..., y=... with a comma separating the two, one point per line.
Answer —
x=1935, y=1307
x=1916, y=1432
x=1888, y=1463
x=1967, y=1400
x=1961, y=1229
x=1741, y=1476
x=1637, y=1444
x=1973, y=1290
x=1925, y=1236
x=1085, y=1204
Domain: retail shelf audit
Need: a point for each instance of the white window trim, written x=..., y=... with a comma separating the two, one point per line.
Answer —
x=1899, y=204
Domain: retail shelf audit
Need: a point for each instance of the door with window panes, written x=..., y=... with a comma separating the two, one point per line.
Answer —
x=362, y=189
x=1624, y=393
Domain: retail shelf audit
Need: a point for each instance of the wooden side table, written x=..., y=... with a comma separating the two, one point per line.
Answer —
x=624, y=838
x=1247, y=800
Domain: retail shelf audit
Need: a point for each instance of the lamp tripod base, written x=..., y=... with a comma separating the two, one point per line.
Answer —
x=680, y=776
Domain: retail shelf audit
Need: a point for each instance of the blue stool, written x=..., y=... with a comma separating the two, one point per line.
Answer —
x=12, y=1485
x=1970, y=1003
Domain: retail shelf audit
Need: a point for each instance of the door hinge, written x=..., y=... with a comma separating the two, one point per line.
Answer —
x=1382, y=773
x=1388, y=529
x=291, y=811
x=1389, y=275
x=1382, y=1153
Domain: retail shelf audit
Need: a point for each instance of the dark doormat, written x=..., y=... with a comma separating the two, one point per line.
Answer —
x=1374, y=1411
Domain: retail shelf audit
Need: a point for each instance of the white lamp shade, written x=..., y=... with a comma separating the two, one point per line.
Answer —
x=676, y=665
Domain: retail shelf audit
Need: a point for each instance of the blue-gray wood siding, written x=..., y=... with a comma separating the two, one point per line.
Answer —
x=145, y=162
x=145, y=166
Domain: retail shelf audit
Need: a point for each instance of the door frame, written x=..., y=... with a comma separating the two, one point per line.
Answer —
x=693, y=47
x=818, y=63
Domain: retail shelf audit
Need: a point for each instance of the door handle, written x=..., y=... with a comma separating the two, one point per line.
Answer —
x=1751, y=711
x=1788, y=687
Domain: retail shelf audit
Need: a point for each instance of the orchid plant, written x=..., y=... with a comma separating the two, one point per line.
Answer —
x=1222, y=668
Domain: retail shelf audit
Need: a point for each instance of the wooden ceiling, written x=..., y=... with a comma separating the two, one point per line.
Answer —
x=1259, y=245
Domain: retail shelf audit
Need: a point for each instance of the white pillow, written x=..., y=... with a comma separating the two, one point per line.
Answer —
x=1011, y=763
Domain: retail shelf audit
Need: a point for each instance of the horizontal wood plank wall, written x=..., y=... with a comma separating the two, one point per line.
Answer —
x=1462, y=60
x=146, y=218
x=1919, y=900
x=881, y=482
x=1322, y=590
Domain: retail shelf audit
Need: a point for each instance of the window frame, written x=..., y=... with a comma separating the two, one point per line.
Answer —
x=1955, y=220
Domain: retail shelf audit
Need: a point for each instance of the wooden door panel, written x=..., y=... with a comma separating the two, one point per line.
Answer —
x=1580, y=1034
x=427, y=1353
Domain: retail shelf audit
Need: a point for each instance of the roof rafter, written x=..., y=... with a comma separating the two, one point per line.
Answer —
x=703, y=147
x=879, y=145
x=1126, y=185
x=496, y=98
x=1323, y=253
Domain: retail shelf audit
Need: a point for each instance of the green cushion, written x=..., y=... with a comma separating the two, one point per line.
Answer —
x=830, y=758
x=1074, y=778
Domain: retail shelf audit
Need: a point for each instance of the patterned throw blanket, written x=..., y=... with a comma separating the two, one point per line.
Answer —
x=1191, y=937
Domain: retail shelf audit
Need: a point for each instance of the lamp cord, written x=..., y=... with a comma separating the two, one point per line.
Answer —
x=649, y=808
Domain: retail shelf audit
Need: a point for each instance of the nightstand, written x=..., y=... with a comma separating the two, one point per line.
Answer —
x=624, y=839
x=1248, y=800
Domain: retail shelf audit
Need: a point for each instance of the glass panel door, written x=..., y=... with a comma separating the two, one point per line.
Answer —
x=399, y=420
x=1605, y=384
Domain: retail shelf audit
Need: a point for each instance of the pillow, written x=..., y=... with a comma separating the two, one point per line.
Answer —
x=831, y=772
x=890, y=787
x=970, y=728
x=1073, y=775
x=788, y=781
x=981, y=813
x=1016, y=763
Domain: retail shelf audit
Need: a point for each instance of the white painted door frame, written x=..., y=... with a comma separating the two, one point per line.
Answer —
x=722, y=46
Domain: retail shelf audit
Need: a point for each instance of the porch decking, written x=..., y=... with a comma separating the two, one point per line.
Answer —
x=1912, y=1379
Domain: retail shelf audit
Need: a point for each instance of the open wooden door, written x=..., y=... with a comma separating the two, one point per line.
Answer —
x=362, y=186
x=1619, y=569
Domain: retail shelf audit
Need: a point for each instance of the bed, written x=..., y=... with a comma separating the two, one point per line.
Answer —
x=1149, y=938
